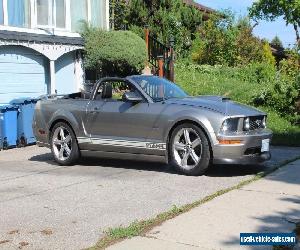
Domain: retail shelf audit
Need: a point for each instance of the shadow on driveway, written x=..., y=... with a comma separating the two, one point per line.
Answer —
x=213, y=171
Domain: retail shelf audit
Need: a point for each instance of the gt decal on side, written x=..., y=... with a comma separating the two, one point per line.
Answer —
x=161, y=146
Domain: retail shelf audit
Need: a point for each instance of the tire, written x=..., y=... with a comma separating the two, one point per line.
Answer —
x=189, y=150
x=64, y=145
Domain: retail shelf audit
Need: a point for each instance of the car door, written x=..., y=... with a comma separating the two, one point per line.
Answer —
x=120, y=126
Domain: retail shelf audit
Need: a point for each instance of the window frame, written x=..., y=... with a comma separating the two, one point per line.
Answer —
x=52, y=16
x=33, y=21
x=1, y=8
x=87, y=14
x=49, y=15
x=116, y=80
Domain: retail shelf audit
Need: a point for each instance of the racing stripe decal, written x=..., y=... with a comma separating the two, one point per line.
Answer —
x=83, y=140
x=122, y=143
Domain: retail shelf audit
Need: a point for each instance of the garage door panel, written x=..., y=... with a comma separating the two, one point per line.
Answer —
x=21, y=68
x=4, y=58
x=20, y=79
x=19, y=88
x=12, y=54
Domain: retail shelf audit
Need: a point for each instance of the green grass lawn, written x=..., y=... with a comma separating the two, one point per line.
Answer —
x=225, y=83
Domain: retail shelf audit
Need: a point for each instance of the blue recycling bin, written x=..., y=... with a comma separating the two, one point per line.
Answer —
x=25, y=117
x=8, y=126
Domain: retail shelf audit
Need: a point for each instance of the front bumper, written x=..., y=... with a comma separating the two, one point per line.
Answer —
x=247, y=152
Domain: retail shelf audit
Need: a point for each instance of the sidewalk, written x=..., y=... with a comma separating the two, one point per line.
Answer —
x=271, y=204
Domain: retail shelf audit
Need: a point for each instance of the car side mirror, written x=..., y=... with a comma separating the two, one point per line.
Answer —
x=131, y=97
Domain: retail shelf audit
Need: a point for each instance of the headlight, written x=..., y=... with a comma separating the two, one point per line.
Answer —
x=247, y=124
x=230, y=125
x=264, y=122
x=254, y=122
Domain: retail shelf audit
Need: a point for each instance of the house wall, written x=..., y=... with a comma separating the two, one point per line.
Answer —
x=65, y=74
x=52, y=67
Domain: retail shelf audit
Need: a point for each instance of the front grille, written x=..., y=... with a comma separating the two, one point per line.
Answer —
x=256, y=122
x=253, y=151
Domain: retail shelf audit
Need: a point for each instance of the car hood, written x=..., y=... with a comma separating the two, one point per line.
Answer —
x=218, y=104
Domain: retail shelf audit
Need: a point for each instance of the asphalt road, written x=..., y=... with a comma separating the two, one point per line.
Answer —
x=46, y=206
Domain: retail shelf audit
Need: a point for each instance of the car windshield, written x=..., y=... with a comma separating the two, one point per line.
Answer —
x=159, y=89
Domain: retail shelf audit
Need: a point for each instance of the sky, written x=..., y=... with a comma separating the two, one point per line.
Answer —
x=265, y=29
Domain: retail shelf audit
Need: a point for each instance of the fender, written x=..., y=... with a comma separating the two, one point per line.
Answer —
x=64, y=115
x=195, y=117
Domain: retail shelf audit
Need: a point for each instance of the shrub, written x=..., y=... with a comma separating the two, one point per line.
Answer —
x=114, y=52
x=291, y=65
x=230, y=43
x=283, y=94
x=267, y=54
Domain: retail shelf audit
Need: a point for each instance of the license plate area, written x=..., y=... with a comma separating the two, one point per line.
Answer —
x=265, y=145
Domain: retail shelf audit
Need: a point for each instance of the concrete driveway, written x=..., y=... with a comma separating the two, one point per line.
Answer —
x=46, y=206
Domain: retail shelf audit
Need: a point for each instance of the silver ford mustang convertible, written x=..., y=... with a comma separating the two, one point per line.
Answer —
x=150, y=118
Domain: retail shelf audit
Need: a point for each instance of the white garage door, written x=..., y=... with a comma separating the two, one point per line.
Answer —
x=23, y=73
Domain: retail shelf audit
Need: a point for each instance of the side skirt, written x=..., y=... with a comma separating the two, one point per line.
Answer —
x=124, y=156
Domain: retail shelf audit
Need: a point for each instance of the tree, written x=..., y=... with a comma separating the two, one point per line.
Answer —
x=165, y=18
x=276, y=42
x=118, y=14
x=229, y=42
x=104, y=52
x=271, y=9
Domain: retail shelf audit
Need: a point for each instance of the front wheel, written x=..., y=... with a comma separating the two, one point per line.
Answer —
x=189, y=150
x=64, y=145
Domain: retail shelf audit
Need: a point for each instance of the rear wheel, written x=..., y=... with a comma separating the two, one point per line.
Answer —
x=189, y=150
x=64, y=145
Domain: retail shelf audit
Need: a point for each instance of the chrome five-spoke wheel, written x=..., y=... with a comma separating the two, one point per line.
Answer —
x=189, y=149
x=64, y=144
x=62, y=141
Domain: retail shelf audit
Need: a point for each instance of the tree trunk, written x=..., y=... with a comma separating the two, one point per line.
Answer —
x=297, y=33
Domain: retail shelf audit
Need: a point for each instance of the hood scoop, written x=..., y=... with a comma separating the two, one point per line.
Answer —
x=225, y=98
x=215, y=98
